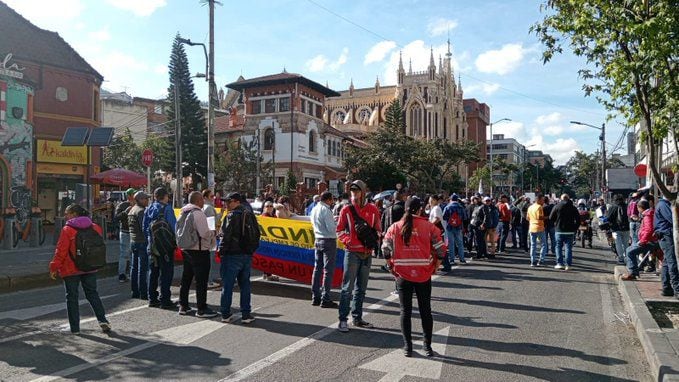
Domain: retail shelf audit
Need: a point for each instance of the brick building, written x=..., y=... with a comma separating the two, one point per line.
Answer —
x=478, y=118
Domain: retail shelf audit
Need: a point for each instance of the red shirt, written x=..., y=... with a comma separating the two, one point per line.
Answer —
x=345, y=226
x=505, y=212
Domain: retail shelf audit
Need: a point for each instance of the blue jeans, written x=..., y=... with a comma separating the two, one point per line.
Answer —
x=634, y=231
x=89, y=283
x=503, y=228
x=632, y=256
x=139, y=271
x=325, y=257
x=161, y=268
x=534, y=236
x=550, y=235
x=235, y=268
x=670, y=273
x=354, y=285
x=124, y=254
x=455, y=244
x=621, y=240
x=564, y=239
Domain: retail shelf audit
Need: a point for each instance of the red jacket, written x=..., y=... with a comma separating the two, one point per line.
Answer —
x=646, y=229
x=62, y=262
x=345, y=226
x=414, y=262
x=505, y=212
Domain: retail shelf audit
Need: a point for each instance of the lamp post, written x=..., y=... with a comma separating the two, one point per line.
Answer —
x=602, y=138
x=491, y=151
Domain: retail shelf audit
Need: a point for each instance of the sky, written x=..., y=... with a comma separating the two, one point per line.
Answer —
x=336, y=41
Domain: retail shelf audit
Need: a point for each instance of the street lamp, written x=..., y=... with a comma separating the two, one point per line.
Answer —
x=209, y=77
x=602, y=138
x=491, y=151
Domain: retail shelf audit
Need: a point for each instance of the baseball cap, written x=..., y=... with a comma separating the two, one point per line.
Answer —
x=130, y=191
x=358, y=184
x=140, y=195
x=232, y=196
x=454, y=197
x=486, y=199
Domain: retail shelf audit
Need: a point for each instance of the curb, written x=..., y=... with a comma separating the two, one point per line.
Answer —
x=14, y=284
x=660, y=347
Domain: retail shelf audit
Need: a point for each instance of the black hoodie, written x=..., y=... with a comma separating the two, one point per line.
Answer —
x=565, y=217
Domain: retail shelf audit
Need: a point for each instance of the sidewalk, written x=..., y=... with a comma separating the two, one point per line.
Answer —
x=661, y=345
x=26, y=267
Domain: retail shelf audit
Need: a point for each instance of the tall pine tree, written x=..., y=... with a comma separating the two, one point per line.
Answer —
x=194, y=129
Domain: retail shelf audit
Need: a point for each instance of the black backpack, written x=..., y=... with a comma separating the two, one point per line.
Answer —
x=163, y=242
x=366, y=234
x=249, y=240
x=90, y=250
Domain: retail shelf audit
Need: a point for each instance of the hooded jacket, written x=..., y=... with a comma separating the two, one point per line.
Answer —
x=206, y=235
x=663, y=218
x=452, y=207
x=62, y=262
x=617, y=217
x=346, y=232
x=646, y=230
x=151, y=214
x=565, y=217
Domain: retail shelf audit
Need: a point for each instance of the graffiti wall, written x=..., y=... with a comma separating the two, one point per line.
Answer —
x=16, y=144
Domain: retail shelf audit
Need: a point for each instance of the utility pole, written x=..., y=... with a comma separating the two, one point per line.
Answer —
x=211, y=101
x=258, y=182
x=604, y=190
x=178, y=148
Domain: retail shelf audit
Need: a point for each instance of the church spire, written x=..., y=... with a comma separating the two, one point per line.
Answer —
x=377, y=85
x=410, y=66
x=351, y=87
x=431, y=59
x=400, y=60
x=440, y=64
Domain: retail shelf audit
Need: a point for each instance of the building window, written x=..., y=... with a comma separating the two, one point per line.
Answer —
x=269, y=139
x=310, y=182
x=270, y=105
x=284, y=104
x=445, y=128
x=328, y=147
x=158, y=109
x=303, y=109
x=334, y=148
x=256, y=107
x=340, y=115
x=416, y=120
x=312, y=141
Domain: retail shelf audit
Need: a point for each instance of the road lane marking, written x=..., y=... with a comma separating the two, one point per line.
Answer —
x=179, y=335
x=304, y=342
x=37, y=311
x=397, y=366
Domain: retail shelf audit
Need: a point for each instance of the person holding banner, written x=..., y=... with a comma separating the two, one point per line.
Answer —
x=355, y=217
x=413, y=248
x=325, y=253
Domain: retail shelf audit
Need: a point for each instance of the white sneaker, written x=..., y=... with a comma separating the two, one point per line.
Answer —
x=566, y=268
x=343, y=327
x=558, y=266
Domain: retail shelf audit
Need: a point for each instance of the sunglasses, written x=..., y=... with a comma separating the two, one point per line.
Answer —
x=354, y=189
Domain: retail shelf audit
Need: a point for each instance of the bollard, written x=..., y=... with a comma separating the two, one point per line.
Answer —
x=58, y=225
x=35, y=232
x=8, y=234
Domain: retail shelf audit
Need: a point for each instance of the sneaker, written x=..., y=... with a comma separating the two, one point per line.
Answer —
x=273, y=278
x=247, y=318
x=566, y=268
x=343, y=327
x=315, y=302
x=558, y=266
x=628, y=277
x=122, y=278
x=408, y=351
x=206, y=313
x=463, y=261
x=667, y=293
x=228, y=318
x=183, y=311
x=532, y=264
x=538, y=264
x=394, y=293
x=212, y=284
x=105, y=327
x=170, y=306
x=329, y=304
x=428, y=351
x=362, y=324
x=154, y=304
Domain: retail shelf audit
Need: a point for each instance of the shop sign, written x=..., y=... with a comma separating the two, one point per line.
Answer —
x=10, y=70
x=53, y=151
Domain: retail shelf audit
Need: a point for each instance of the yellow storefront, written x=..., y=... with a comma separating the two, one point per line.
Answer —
x=61, y=175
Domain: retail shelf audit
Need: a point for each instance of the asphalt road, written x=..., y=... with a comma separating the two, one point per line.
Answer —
x=494, y=321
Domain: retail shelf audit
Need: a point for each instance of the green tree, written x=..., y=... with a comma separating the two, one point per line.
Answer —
x=632, y=64
x=123, y=152
x=193, y=128
x=236, y=167
x=290, y=183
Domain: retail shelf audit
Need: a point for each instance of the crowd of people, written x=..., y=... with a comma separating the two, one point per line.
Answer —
x=416, y=236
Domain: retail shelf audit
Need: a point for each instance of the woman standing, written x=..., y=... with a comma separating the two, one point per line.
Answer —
x=268, y=211
x=408, y=247
x=77, y=219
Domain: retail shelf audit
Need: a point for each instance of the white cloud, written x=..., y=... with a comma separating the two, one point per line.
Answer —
x=440, y=26
x=379, y=51
x=51, y=15
x=419, y=53
x=162, y=69
x=100, y=35
x=140, y=8
x=486, y=89
x=511, y=129
x=501, y=61
x=321, y=63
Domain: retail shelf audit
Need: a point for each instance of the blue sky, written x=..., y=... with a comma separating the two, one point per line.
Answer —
x=499, y=62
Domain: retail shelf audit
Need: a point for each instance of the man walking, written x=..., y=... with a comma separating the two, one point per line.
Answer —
x=566, y=220
x=161, y=245
x=536, y=220
x=523, y=205
x=357, y=259
x=550, y=232
x=325, y=254
x=619, y=223
x=195, y=239
x=515, y=226
x=662, y=228
x=236, y=257
x=454, y=215
x=505, y=220
x=139, y=267
x=479, y=221
x=490, y=225
x=125, y=249
x=211, y=212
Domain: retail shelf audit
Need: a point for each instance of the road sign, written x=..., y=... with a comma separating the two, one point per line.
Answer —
x=147, y=157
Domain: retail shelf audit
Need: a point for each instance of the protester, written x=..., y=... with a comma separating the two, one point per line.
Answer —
x=663, y=230
x=125, y=248
x=325, y=254
x=236, y=259
x=479, y=221
x=550, y=233
x=195, y=239
x=357, y=259
x=283, y=208
x=219, y=203
x=62, y=264
x=139, y=267
x=536, y=219
x=436, y=218
x=454, y=215
x=566, y=220
x=408, y=247
x=633, y=216
x=470, y=228
x=505, y=222
x=515, y=225
x=316, y=199
x=268, y=211
x=344, y=201
x=396, y=211
x=619, y=223
x=161, y=249
x=523, y=205
x=211, y=212
x=647, y=242
x=490, y=225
